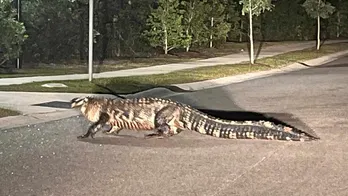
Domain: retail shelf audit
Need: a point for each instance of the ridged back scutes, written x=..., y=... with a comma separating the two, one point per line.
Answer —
x=104, y=103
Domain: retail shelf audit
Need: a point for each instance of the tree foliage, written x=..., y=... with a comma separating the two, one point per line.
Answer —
x=52, y=29
x=284, y=23
x=234, y=20
x=256, y=6
x=193, y=12
x=58, y=29
x=315, y=8
x=216, y=22
x=165, y=27
x=12, y=33
x=338, y=24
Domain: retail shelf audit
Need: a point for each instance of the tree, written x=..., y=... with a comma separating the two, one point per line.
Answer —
x=318, y=9
x=216, y=23
x=52, y=29
x=120, y=27
x=166, y=28
x=340, y=22
x=234, y=19
x=12, y=33
x=254, y=7
x=283, y=23
x=193, y=20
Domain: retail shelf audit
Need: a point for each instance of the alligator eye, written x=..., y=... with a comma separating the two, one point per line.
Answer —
x=74, y=100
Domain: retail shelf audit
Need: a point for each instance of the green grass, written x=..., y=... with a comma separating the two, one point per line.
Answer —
x=130, y=63
x=49, y=70
x=7, y=112
x=137, y=83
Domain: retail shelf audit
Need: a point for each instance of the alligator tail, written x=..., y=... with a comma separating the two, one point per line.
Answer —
x=266, y=130
x=256, y=130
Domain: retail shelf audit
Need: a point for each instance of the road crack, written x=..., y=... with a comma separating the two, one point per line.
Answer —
x=227, y=182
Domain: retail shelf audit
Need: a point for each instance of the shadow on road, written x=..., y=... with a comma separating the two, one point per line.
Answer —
x=325, y=65
x=177, y=141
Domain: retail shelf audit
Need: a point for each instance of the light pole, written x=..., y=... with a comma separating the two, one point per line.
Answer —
x=90, y=41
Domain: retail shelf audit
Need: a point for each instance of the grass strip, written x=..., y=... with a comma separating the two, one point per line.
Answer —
x=138, y=83
x=130, y=63
x=7, y=112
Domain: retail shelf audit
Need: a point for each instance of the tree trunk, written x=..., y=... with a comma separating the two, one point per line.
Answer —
x=240, y=32
x=118, y=45
x=103, y=30
x=318, y=26
x=251, y=34
x=165, y=40
x=188, y=45
x=189, y=28
x=113, y=40
x=82, y=39
x=211, y=34
x=318, y=34
x=338, y=33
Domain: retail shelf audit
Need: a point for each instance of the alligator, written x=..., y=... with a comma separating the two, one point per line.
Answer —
x=166, y=118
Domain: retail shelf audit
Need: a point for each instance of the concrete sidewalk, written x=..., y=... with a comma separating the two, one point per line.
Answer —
x=161, y=69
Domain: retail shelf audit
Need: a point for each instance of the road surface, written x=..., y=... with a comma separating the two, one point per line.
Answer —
x=47, y=159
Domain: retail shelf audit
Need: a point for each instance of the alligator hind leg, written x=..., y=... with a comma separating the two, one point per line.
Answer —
x=160, y=132
x=166, y=123
x=113, y=130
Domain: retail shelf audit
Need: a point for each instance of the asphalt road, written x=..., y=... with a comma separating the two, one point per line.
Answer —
x=47, y=159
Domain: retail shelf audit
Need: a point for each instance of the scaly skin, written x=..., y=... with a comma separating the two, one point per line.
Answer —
x=168, y=118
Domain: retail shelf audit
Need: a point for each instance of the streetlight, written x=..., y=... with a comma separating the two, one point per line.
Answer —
x=18, y=6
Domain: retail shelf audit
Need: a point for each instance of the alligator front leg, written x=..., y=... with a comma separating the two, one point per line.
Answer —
x=92, y=130
x=95, y=127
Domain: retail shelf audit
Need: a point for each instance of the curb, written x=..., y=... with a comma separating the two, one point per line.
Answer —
x=259, y=74
x=27, y=120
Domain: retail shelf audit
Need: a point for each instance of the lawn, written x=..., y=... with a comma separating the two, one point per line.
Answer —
x=41, y=69
x=7, y=112
x=138, y=83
